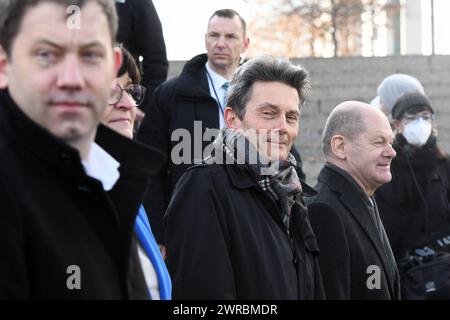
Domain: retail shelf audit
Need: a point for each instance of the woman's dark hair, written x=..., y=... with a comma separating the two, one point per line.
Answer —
x=130, y=66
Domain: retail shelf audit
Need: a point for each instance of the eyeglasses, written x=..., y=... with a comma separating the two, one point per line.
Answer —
x=426, y=115
x=134, y=91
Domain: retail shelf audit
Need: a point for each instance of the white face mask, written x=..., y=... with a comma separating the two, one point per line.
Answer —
x=417, y=132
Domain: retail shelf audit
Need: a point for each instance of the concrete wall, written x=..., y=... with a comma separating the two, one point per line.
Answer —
x=339, y=79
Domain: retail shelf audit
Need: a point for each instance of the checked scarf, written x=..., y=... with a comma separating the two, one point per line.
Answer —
x=278, y=180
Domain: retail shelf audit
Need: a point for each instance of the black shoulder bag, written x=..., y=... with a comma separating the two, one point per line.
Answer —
x=425, y=273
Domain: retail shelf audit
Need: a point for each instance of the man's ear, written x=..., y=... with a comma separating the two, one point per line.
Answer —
x=118, y=60
x=3, y=64
x=338, y=147
x=246, y=44
x=231, y=119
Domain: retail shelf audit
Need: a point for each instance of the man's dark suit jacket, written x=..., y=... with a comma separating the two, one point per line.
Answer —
x=355, y=257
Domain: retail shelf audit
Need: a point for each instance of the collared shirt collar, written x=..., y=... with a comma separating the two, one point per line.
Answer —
x=217, y=92
x=102, y=166
x=217, y=79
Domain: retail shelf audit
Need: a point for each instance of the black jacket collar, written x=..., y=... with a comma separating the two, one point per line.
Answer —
x=241, y=179
x=349, y=180
x=133, y=154
x=193, y=83
x=21, y=129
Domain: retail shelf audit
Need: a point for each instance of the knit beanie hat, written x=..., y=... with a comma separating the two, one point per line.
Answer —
x=408, y=101
x=393, y=86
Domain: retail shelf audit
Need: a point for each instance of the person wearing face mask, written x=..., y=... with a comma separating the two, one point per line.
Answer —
x=414, y=206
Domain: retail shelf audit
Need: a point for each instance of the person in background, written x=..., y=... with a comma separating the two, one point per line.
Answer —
x=414, y=206
x=119, y=116
x=355, y=257
x=141, y=32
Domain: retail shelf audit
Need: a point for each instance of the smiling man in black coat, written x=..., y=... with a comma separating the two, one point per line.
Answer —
x=355, y=259
x=237, y=226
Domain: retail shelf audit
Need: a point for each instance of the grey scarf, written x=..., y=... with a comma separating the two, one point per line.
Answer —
x=278, y=179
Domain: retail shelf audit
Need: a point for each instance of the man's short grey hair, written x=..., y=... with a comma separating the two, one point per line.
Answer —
x=230, y=14
x=265, y=69
x=348, y=123
x=13, y=11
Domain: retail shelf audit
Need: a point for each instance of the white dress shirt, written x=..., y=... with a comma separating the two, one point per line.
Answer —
x=216, y=89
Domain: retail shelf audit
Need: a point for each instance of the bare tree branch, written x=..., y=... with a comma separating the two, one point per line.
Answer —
x=304, y=28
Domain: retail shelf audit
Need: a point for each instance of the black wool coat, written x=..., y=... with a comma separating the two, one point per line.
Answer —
x=226, y=240
x=53, y=216
x=349, y=241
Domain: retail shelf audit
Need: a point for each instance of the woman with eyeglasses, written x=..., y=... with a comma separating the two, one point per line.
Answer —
x=120, y=116
x=414, y=206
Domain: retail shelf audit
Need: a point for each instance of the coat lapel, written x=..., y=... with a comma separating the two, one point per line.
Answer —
x=358, y=209
x=361, y=214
